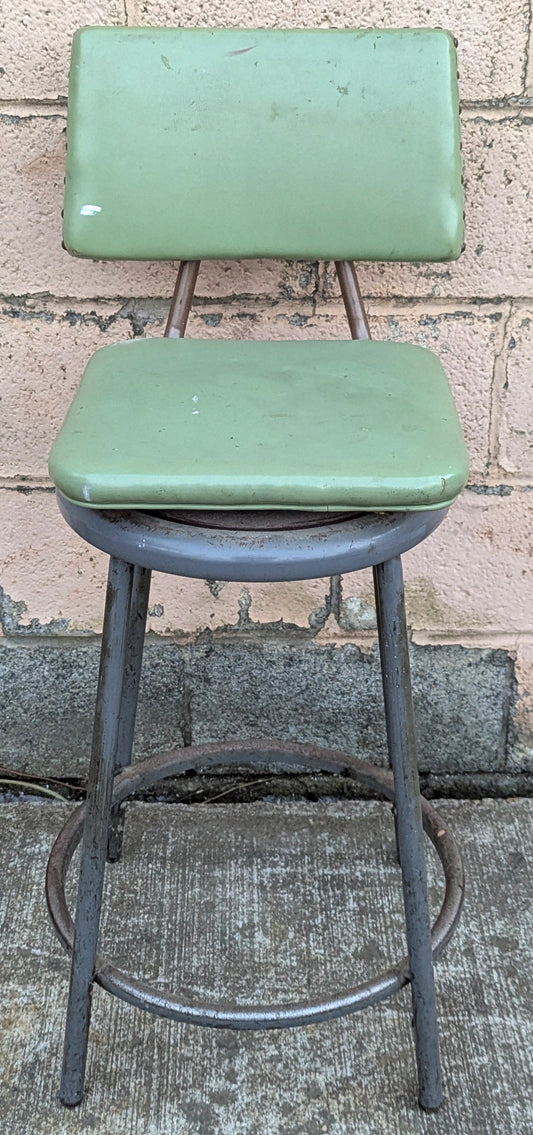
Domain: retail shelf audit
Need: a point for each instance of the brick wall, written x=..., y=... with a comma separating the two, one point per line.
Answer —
x=471, y=584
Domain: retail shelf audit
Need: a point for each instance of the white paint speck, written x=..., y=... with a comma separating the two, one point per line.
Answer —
x=90, y=210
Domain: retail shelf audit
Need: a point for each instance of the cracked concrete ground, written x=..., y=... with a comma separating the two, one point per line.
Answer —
x=271, y=900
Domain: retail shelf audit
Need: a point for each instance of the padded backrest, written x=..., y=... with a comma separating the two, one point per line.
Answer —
x=207, y=143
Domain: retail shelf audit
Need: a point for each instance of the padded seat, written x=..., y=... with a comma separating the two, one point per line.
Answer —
x=223, y=424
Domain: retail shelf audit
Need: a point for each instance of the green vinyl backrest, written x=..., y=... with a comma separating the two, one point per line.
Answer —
x=214, y=143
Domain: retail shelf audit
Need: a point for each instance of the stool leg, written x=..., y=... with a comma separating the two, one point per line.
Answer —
x=394, y=650
x=380, y=635
x=94, y=845
x=130, y=693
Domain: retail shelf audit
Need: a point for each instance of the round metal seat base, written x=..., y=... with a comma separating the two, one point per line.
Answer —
x=148, y=773
x=280, y=550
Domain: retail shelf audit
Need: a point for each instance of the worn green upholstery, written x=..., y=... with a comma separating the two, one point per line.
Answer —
x=208, y=143
x=198, y=143
x=222, y=424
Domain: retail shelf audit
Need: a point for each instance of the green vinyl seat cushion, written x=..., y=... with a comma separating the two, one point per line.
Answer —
x=160, y=423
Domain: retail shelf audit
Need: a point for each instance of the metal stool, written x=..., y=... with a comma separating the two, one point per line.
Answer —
x=244, y=543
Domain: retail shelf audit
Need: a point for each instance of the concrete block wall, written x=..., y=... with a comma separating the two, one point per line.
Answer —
x=469, y=588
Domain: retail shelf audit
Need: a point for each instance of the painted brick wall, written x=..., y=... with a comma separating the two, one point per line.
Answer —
x=471, y=584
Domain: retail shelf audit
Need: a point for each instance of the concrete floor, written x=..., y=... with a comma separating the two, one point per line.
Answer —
x=270, y=901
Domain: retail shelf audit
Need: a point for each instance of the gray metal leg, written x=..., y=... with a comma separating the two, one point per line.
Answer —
x=130, y=693
x=394, y=651
x=94, y=846
x=380, y=633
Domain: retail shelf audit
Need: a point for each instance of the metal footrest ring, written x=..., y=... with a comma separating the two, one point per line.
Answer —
x=271, y=752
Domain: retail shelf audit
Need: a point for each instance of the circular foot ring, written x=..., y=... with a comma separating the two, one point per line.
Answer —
x=271, y=752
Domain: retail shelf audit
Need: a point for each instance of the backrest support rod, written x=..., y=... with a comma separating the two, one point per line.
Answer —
x=186, y=283
x=182, y=299
x=353, y=300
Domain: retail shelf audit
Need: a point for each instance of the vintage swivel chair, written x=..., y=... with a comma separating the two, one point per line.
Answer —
x=258, y=460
